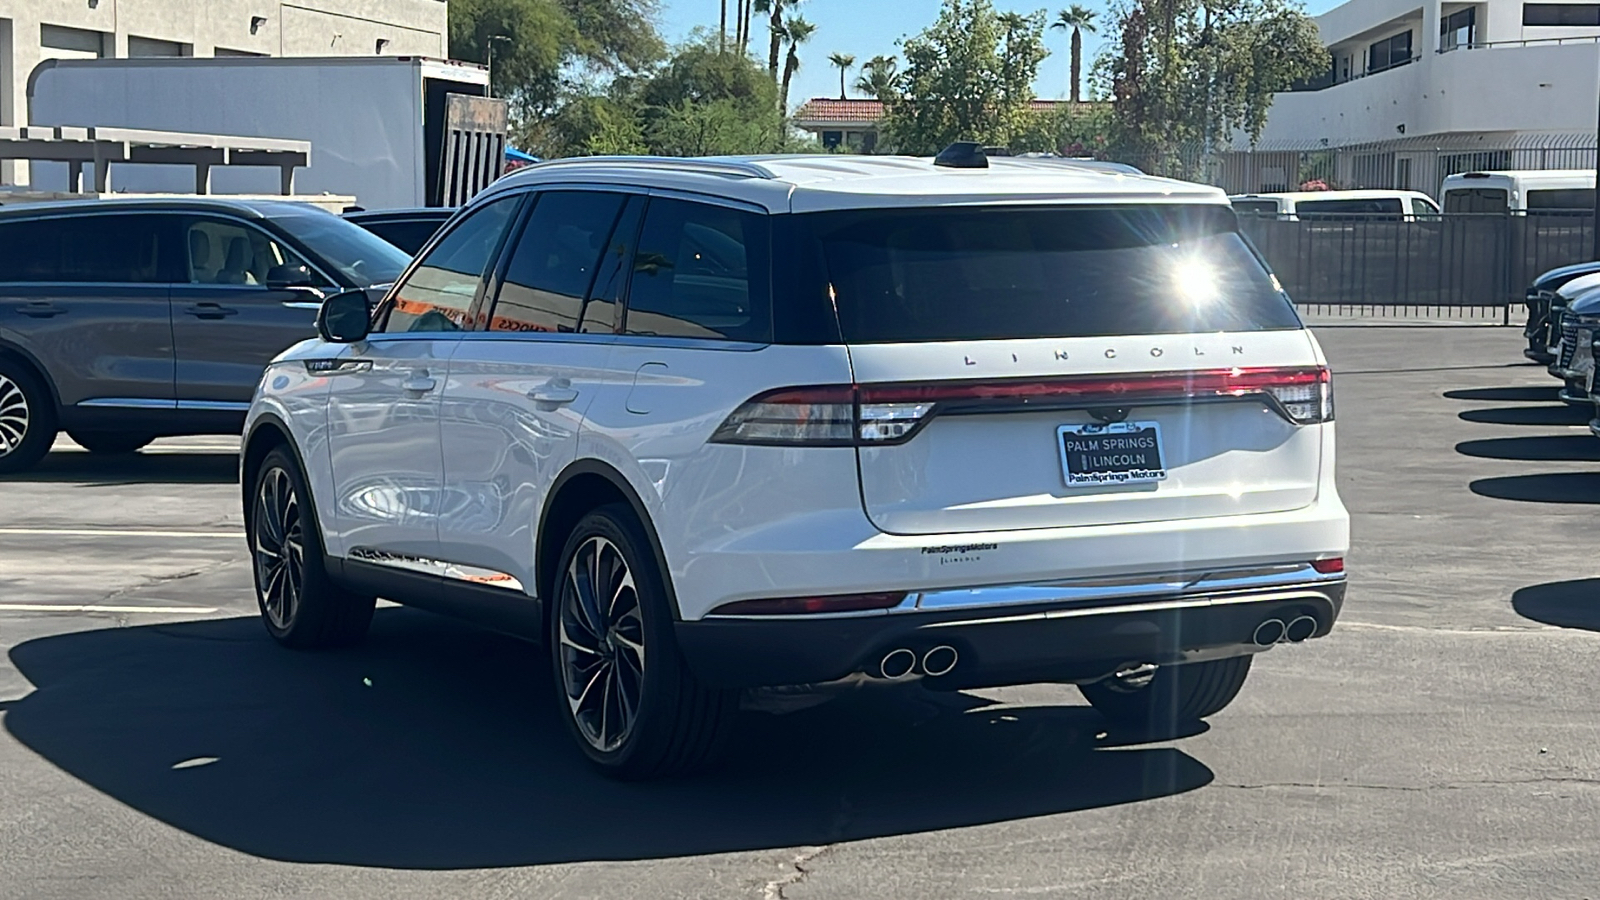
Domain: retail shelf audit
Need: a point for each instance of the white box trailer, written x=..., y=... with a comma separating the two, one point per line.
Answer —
x=388, y=130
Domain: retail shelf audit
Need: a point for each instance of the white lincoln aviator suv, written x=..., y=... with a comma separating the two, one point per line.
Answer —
x=701, y=425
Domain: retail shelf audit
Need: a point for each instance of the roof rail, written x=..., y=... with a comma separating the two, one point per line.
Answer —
x=737, y=168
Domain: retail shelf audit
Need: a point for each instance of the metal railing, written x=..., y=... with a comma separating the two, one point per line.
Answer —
x=1529, y=42
x=1439, y=265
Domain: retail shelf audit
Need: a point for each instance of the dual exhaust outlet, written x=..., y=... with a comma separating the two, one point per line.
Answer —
x=903, y=662
x=1274, y=631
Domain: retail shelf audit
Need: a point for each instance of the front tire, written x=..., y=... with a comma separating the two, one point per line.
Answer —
x=110, y=443
x=623, y=688
x=27, y=418
x=1176, y=696
x=300, y=604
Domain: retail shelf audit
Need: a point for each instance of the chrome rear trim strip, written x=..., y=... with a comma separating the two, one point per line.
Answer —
x=1101, y=595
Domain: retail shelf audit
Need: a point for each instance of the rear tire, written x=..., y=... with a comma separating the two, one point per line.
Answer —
x=622, y=686
x=1176, y=696
x=300, y=604
x=110, y=443
x=27, y=417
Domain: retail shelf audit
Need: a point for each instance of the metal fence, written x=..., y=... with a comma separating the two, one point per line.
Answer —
x=1452, y=264
x=1417, y=164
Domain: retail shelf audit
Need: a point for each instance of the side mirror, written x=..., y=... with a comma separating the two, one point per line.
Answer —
x=289, y=276
x=345, y=318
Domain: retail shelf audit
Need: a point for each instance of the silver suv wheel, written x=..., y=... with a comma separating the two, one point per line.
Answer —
x=602, y=649
x=14, y=415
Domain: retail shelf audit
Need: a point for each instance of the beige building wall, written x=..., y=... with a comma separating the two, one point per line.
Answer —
x=32, y=31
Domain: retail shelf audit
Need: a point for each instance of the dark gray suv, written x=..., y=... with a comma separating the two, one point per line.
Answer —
x=126, y=320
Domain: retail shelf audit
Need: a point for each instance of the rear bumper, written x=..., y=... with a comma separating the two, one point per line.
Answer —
x=1063, y=640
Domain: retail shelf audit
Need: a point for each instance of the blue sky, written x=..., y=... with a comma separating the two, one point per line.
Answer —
x=867, y=28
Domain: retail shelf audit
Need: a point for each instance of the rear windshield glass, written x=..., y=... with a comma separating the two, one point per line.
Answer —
x=996, y=273
x=1475, y=200
x=1256, y=207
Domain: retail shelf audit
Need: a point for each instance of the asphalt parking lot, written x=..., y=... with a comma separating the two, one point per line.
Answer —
x=1443, y=742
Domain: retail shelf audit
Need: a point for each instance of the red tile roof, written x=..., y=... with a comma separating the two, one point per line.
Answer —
x=832, y=109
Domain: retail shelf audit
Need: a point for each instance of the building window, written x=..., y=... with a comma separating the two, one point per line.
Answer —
x=1561, y=14
x=832, y=139
x=1389, y=52
x=144, y=47
x=1459, y=29
x=71, y=43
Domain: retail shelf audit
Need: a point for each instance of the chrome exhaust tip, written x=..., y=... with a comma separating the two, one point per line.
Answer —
x=897, y=664
x=1269, y=632
x=1300, y=629
x=1133, y=677
x=940, y=660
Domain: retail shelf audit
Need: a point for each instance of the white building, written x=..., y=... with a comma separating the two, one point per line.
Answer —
x=1417, y=91
x=32, y=31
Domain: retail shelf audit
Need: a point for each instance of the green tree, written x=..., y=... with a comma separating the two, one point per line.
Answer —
x=843, y=62
x=877, y=78
x=1076, y=19
x=1195, y=72
x=796, y=31
x=1081, y=130
x=542, y=46
x=968, y=76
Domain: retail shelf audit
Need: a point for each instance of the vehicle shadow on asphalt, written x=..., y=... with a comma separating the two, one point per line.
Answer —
x=1519, y=394
x=1539, y=448
x=94, y=469
x=1543, y=487
x=1530, y=415
x=1567, y=604
x=453, y=757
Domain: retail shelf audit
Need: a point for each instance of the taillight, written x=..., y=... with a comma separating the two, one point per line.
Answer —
x=1332, y=566
x=886, y=413
x=780, y=606
x=815, y=417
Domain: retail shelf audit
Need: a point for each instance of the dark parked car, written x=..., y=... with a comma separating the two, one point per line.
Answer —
x=126, y=320
x=407, y=229
x=1544, y=304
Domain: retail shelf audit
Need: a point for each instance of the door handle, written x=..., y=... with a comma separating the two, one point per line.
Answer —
x=419, y=383
x=210, y=311
x=40, y=310
x=553, y=393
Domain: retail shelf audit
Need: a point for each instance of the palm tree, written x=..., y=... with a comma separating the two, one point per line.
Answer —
x=722, y=29
x=795, y=31
x=877, y=76
x=844, y=61
x=1078, y=19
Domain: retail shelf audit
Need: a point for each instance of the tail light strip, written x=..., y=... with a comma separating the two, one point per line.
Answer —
x=889, y=413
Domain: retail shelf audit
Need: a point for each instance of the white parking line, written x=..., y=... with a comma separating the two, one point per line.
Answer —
x=119, y=532
x=91, y=608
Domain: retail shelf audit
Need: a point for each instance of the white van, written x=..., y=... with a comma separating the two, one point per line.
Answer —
x=1409, y=205
x=1539, y=190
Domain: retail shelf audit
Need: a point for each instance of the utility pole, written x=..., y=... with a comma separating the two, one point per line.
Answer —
x=490, y=43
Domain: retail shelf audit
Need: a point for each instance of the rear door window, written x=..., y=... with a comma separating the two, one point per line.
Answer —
x=998, y=273
x=700, y=271
x=114, y=249
x=553, y=264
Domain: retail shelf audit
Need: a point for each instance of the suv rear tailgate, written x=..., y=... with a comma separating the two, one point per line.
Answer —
x=972, y=468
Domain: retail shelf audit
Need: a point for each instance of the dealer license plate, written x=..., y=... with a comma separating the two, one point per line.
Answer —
x=1118, y=453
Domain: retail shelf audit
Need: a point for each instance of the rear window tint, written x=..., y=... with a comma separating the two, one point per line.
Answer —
x=1366, y=207
x=1574, y=199
x=998, y=273
x=1475, y=200
x=1256, y=207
